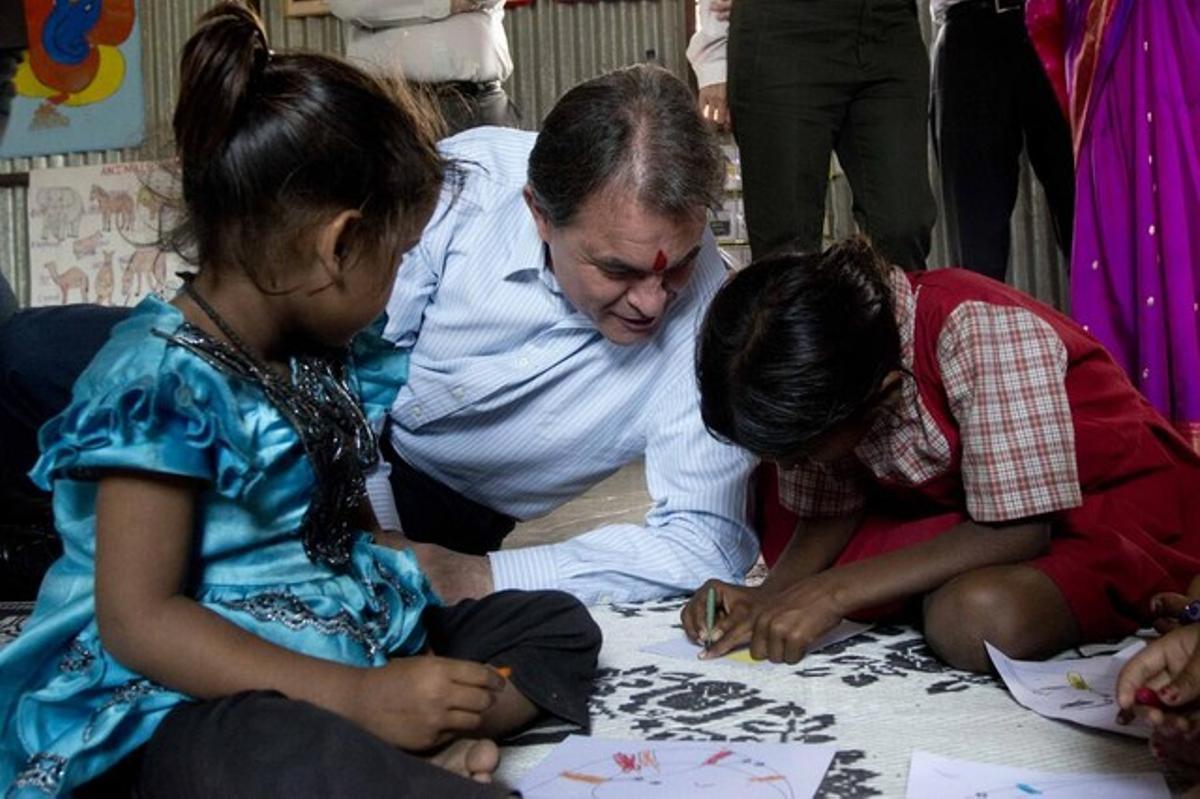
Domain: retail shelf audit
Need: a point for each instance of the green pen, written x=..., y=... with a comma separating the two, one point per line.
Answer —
x=710, y=615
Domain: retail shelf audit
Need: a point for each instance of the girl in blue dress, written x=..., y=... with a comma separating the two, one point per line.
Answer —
x=221, y=622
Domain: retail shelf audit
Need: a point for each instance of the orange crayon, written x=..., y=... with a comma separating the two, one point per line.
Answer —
x=504, y=671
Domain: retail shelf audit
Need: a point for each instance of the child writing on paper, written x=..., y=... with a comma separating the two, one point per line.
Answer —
x=948, y=446
x=1169, y=667
x=220, y=624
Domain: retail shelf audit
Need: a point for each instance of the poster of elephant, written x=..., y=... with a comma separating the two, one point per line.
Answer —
x=79, y=86
x=94, y=231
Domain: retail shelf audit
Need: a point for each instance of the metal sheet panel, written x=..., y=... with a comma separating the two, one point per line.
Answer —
x=554, y=45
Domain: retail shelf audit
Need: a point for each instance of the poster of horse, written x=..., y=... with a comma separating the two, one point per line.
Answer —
x=94, y=233
x=79, y=86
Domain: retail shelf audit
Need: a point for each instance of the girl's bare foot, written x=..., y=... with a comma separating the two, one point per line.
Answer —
x=470, y=757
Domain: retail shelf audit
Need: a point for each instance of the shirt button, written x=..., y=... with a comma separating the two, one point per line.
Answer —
x=523, y=362
x=416, y=411
x=458, y=393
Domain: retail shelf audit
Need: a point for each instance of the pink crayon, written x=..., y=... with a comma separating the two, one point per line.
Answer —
x=1148, y=697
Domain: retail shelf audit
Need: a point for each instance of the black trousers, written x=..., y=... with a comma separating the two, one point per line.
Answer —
x=261, y=744
x=991, y=98
x=807, y=77
x=431, y=512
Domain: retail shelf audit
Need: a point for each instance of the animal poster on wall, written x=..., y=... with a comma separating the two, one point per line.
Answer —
x=93, y=234
x=79, y=86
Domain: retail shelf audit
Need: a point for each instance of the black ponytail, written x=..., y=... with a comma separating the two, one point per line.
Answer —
x=270, y=143
x=220, y=63
x=796, y=344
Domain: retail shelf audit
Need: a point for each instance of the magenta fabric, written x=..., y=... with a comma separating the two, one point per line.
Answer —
x=1135, y=271
x=1131, y=70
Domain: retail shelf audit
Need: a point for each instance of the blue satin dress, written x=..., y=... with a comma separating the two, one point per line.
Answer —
x=68, y=709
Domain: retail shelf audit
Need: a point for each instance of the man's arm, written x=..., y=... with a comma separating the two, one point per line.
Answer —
x=385, y=13
x=706, y=51
x=696, y=528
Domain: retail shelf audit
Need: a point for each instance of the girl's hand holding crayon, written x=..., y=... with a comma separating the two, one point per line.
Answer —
x=1162, y=684
x=733, y=606
x=778, y=624
x=417, y=703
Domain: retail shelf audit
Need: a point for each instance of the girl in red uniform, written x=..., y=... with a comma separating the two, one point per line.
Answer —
x=946, y=446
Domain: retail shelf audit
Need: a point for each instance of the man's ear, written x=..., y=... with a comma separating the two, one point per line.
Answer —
x=543, y=223
x=333, y=242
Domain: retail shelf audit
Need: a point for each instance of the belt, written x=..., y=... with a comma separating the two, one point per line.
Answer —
x=989, y=6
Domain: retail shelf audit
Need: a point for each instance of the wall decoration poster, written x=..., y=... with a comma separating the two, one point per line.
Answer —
x=79, y=86
x=93, y=232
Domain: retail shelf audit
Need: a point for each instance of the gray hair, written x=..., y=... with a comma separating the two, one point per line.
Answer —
x=636, y=127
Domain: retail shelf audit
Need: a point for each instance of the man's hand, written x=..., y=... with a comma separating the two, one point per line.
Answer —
x=464, y=6
x=453, y=575
x=721, y=9
x=713, y=107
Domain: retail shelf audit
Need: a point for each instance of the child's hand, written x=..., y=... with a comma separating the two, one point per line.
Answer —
x=736, y=607
x=1167, y=607
x=1170, y=669
x=420, y=702
x=795, y=617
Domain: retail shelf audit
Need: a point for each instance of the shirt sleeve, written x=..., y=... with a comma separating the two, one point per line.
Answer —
x=696, y=528
x=1004, y=370
x=382, y=13
x=706, y=49
x=821, y=491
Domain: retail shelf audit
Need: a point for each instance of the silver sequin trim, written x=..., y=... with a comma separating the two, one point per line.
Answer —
x=287, y=609
x=77, y=659
x=43, y=772
x=125, y=694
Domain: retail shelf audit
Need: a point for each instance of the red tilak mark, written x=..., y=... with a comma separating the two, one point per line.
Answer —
x=660, y=261
x=719, y=756
x=627, y=763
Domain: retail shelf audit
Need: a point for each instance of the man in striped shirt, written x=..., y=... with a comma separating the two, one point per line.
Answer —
x=551, y=309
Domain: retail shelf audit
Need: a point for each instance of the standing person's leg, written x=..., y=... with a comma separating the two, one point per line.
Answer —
x=977, y=135
x=787, y=79
x=546, y=638
x=1047, y=139
x=883, y=144
x=263, y=744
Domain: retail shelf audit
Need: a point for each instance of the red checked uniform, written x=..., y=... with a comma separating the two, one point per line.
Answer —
x=1010, y=410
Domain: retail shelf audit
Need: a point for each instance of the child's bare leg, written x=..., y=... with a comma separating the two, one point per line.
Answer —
x=1016, y=608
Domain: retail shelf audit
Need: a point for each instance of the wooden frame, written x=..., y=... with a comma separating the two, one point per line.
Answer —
x=305, y=8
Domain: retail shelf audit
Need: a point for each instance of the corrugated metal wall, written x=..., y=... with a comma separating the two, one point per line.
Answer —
x=554, y=46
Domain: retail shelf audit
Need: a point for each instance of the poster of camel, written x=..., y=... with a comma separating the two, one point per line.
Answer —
x=93, y=234
x=79, y=86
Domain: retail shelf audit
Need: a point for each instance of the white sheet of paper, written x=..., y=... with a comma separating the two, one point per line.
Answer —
x=1082, y=690
x=595, y=768
x=948, y=778
x=684, y=649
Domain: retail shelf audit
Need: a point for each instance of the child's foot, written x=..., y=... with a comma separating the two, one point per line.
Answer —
x=469, y=757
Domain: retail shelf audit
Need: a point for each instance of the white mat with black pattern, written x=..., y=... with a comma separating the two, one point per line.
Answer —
x=877, y=697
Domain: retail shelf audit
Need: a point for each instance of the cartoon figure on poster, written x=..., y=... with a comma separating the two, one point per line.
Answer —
x=94, y=231
x=79, y=86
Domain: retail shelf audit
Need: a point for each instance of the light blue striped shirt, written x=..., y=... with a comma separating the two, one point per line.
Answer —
x=516, y=401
